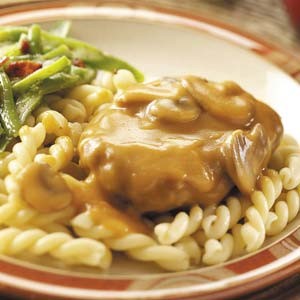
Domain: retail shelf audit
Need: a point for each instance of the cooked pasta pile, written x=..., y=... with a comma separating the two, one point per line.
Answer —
x=178, y=242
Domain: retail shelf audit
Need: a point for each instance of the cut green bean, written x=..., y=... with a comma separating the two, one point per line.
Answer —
x=34, y=38
x=11, y=33
x=61, y=50
x=80, y=49
x=111, y=63
x=62, y=81
x=29, y=101
x=4, y=141
x=37, y=76
x=32, y=57
x=9, y=117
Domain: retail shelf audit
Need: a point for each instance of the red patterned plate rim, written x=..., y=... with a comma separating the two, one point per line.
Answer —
x=230, y=279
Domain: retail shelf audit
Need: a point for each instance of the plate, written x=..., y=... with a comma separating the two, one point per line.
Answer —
x=164, y=41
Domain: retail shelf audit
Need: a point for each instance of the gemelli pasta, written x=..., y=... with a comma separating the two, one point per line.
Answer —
x=180, y=172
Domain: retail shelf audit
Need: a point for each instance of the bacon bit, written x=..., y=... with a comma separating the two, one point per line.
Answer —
x=78, y=63
x=22, y=68
x=25, y=46
x=3, y=60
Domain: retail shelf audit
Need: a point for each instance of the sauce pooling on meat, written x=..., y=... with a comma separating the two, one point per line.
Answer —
x=178, y=142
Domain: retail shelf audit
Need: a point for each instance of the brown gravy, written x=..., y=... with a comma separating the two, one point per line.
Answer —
x=87, y=196
x=177, y=142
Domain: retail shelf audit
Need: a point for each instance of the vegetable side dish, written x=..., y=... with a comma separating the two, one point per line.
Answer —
x=180, y=171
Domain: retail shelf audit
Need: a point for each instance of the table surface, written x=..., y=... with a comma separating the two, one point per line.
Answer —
x=269, y=20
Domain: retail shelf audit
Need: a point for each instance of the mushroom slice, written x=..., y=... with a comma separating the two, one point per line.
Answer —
x=167, y=88
x=245, y=155
x=226, y=101
x=43, y=188
x=181, y=111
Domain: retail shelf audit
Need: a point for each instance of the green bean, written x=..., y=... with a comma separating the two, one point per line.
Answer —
x=30, y=100
x=61, y=28
x=8, y=113
x=37, y=76
x=111, y=63
x=32, y=57
x=62, y=80
x=80, y=49
x=11, y=33
x=58, y=51
x=34, y=38
x=4, y=141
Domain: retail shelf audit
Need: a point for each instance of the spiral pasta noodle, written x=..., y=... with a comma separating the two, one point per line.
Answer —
x=285, y=210
x=113, y=82
x=59, y=245
x=90, y=96
x=104, y=79
x=253, y=231
x=24, y=152
x=72, y=109
x=123, y=79
x=182, y=225
x=144, y=248
x=141, y=246
x=218, y=251
x=286, y=158
x=53, y=121
x=60, y=154
x=83, y=225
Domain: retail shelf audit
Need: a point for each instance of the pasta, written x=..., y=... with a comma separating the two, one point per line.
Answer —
x=182, y=225
x=104, y=79
x=24, y=152
x=254, y=231
x=15, y=212
x=59, y=245
x=90, y=96
x=93, y=162
x=60, y=154
x=142, y=247
x=287, y=159
x=218, y=251
x=285, y=210
x=73, y=110
x=208, y=236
